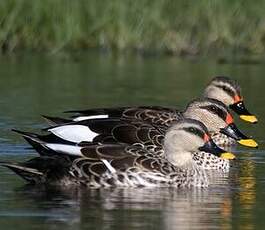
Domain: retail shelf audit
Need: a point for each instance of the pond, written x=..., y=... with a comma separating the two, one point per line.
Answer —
x=31, y=85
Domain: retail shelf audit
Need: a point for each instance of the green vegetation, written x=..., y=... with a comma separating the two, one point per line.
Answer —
x=169, y=26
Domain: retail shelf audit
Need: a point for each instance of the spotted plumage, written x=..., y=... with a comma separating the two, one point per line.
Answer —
x=211, y=162
x=223, y=140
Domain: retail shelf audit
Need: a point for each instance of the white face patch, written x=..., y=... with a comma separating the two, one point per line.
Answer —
x=74, y=133
x=82, y=118
x=65, y=149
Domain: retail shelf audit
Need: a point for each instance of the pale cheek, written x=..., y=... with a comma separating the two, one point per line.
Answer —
x=221, y=96
x=193, y=144
x=228, y=101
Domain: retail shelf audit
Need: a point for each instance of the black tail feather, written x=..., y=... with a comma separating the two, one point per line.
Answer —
x=38, y=142
x=38, y=146
x=34, y=141
x=43, y=169
x=56, y=120
x=31, y=175
x=24, y=133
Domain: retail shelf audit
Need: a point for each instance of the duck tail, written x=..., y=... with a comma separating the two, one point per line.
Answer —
x=40, y=170
x=56, y=120
x=36, y=143
x=31, y=175
x=25, y=134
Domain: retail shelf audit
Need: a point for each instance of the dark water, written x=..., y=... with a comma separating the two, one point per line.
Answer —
x=33, y=85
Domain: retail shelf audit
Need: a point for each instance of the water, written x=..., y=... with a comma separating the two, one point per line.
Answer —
x=33, y=85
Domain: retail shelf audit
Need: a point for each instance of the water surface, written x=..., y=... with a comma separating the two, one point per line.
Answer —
x=32, y=85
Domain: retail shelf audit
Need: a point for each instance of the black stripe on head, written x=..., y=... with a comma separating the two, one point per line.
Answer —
x=212, y=105
x=195, y=131
x=226, y=89
x=215, y=110
x=193, y=126
x=224, y=79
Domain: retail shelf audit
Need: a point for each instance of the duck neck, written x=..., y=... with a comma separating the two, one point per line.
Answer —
x=179, y=158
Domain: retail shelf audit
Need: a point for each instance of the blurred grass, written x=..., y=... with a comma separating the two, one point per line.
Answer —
x=168, y=26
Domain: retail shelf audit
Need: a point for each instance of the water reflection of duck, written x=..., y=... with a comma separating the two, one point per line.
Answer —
x=124, y=165
x=247, y=193
x=130, y=208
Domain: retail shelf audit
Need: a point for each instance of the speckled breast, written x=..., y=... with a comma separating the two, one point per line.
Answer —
x=223, y=140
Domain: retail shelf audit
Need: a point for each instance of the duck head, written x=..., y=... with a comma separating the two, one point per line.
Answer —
x=189, y=136
x=216, y=117
x=228, y=91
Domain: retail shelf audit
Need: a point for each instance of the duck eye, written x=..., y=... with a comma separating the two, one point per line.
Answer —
x=192, y=130
x=213, y=108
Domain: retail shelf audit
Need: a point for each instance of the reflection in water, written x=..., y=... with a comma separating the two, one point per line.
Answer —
x=226, y=211
x=247, y=193
x=159, y=208
x=247, y=184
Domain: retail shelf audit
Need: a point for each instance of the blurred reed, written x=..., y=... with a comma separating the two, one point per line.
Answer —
x=163, y=26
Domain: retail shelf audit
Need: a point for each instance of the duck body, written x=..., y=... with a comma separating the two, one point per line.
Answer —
x=212, y=113
x=220, y=88
x=141, y=138
x=116, y=164
x=159, y=117
x=129, y=171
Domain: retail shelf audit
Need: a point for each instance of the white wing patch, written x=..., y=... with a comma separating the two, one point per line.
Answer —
x=82, y=118
x=74, y=133
x=66, y=149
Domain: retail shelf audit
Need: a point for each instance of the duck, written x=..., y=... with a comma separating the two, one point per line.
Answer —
x=134, y=133
x=228, y=91
x=116, y=164
x=221, y=88
x=212, y=113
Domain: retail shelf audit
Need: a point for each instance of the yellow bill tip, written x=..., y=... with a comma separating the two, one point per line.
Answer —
x=228, y=156
x=249, y=118
x=249, y=143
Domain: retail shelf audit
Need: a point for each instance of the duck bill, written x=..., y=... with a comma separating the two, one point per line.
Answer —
x=243, y=113
x=211, y=147
x=232, y=131
x=249, y=118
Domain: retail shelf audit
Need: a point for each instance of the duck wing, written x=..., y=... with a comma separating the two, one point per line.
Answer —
x=155, y=115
